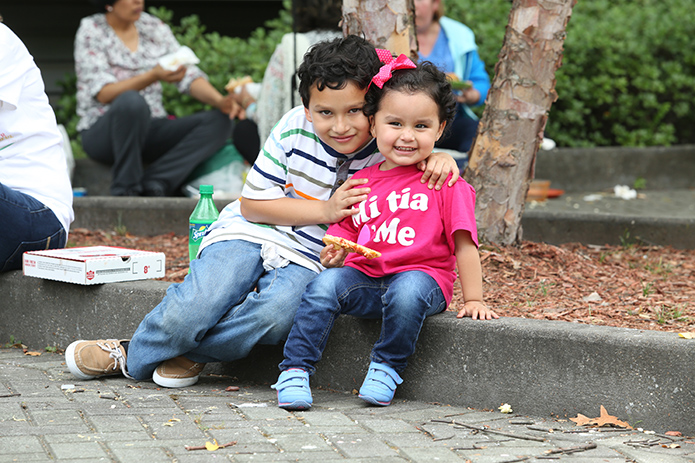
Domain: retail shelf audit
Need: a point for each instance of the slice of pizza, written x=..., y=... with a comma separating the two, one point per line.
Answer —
x=350, y=246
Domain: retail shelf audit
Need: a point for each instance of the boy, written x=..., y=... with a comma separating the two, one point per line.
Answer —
x=264, y=249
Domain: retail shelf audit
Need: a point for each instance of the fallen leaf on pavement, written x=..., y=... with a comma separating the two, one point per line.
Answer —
x=582, y=420
x=212, y=447
x=171, y=422
x=505, y=408
x=608, y=420
x=209, y=446
x=32, y=353
x=16, y=345
x=690, y=335
x=604, y=419
x=674, y=433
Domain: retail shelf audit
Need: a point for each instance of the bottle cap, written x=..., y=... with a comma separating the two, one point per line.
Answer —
x=205, y=189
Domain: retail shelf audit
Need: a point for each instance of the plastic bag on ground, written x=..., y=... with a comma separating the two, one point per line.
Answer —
x=225, y=170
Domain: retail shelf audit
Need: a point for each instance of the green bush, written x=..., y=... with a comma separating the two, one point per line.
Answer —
x=628, y=72
x=627, y=78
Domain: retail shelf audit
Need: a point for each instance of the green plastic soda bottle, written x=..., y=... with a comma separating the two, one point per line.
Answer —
x=203, y=215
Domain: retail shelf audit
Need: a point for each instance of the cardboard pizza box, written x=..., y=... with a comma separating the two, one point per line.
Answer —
x=93, y=265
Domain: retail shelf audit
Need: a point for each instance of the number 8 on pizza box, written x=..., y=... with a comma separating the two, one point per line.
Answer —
x=93, y=265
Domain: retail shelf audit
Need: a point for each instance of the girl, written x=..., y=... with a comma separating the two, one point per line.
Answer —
x=422, y=236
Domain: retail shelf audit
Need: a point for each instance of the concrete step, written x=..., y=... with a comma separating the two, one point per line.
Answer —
x=556, y=222
x=570, y=169
x=663, y=215
x=595, y=169
x=571, y=227
x=136, y=215
x=541, y=367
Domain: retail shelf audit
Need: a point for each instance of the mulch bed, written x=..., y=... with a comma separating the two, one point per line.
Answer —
x=642, y=287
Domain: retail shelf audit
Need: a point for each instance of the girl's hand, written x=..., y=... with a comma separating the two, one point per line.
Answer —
x=169, y=76
x=436, y=168
x=476, y=310
x=340, y=204
x=331, y=257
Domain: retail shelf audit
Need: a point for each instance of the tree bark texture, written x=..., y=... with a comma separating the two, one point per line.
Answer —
x=502, y=160
x=388, y=24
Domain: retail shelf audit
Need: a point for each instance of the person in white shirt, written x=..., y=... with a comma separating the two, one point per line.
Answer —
x=35, y=191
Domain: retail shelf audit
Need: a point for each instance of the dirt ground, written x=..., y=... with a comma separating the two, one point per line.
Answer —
x=641, y=287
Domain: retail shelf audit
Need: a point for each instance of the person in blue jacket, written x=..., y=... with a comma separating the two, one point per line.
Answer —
x=451, y=46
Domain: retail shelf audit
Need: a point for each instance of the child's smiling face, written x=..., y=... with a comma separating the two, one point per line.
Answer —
x=338, y=118
x=406, y=126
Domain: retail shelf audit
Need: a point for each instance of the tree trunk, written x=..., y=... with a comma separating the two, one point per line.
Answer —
x=502, y=160
x=387, y=24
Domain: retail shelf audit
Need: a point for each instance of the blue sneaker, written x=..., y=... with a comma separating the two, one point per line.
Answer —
x=293, y=390
x=380, y=384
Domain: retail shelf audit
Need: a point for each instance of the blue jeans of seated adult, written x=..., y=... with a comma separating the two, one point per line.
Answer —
x=29, y=226
x=224, y=307
x=402, y=301
x=127, y=138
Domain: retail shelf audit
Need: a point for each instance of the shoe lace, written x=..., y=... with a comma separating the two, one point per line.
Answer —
x=116, y=354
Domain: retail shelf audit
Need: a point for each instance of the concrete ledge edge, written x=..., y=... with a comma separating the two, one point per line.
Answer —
x=540, y=367
x=558, y=228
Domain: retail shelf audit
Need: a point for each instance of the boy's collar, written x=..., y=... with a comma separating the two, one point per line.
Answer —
x=368, y=149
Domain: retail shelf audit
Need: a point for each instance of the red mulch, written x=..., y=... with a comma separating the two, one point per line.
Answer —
x=642, y=287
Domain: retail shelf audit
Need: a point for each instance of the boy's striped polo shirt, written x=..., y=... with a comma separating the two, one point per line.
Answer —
x=293, y=163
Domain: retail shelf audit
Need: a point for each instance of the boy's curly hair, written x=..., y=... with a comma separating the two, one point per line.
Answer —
x=424, y=78
x=333, y=63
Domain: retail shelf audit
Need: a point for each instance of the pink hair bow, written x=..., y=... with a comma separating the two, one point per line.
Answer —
x=390, y=65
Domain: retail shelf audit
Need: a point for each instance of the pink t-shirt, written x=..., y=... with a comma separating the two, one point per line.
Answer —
x=410, y=225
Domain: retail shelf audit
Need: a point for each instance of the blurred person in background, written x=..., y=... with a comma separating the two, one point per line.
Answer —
x=123, y=122
x=451, y=47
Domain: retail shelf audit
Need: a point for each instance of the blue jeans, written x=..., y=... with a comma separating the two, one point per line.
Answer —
x=29, y=225
x=402, y=301
x=222, y=309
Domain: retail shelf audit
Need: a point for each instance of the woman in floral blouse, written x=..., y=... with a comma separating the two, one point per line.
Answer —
x=119, y=100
